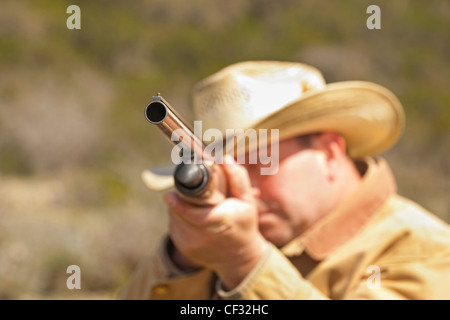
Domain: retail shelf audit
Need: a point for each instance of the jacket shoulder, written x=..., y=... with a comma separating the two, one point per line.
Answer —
x=420, y=232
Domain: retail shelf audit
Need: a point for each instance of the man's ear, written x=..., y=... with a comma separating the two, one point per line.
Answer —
x=332, y=143
x=334, y=147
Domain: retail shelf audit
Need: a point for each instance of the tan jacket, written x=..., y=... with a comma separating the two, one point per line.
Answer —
x=375, y=245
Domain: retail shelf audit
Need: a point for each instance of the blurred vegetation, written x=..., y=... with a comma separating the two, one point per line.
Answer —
x=73, y=138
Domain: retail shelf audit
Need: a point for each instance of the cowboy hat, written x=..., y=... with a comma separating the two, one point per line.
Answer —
x=294, y=98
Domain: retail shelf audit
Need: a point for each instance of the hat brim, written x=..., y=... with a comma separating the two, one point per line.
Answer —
x=367, y=115
x=159, y=178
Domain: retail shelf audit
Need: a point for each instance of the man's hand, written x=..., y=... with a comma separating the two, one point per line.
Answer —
x=225, y=237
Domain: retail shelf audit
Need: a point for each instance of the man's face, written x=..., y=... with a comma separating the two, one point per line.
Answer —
x=296, y=196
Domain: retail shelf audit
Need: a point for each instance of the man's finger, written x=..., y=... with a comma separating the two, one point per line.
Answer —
x=196, y=216
x=239, y=184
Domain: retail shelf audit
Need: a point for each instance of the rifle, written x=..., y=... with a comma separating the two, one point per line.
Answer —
x=198, y=182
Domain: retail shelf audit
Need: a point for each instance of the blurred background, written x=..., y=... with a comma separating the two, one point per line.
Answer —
x=74, y=139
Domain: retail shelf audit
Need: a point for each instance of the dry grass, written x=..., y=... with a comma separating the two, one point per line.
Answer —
x=43, y=231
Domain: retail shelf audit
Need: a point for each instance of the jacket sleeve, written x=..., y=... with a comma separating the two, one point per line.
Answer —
x=157, y=278
x=274, y=278
x=409, y=278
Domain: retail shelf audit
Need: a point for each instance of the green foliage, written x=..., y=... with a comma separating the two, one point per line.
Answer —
x=13, y=161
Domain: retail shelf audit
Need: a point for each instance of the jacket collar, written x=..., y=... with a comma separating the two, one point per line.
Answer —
x=351, y=215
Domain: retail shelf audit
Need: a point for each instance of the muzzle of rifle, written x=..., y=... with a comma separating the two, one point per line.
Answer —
x=192, y=178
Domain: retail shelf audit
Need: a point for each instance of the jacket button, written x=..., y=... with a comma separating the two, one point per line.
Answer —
x=161, y=289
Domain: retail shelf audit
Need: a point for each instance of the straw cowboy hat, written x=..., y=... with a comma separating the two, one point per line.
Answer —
x=294, y=98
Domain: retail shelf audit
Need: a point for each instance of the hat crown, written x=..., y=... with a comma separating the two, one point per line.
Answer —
x=242, y=94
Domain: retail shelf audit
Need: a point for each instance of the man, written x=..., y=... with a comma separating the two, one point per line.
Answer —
x=327, y=225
